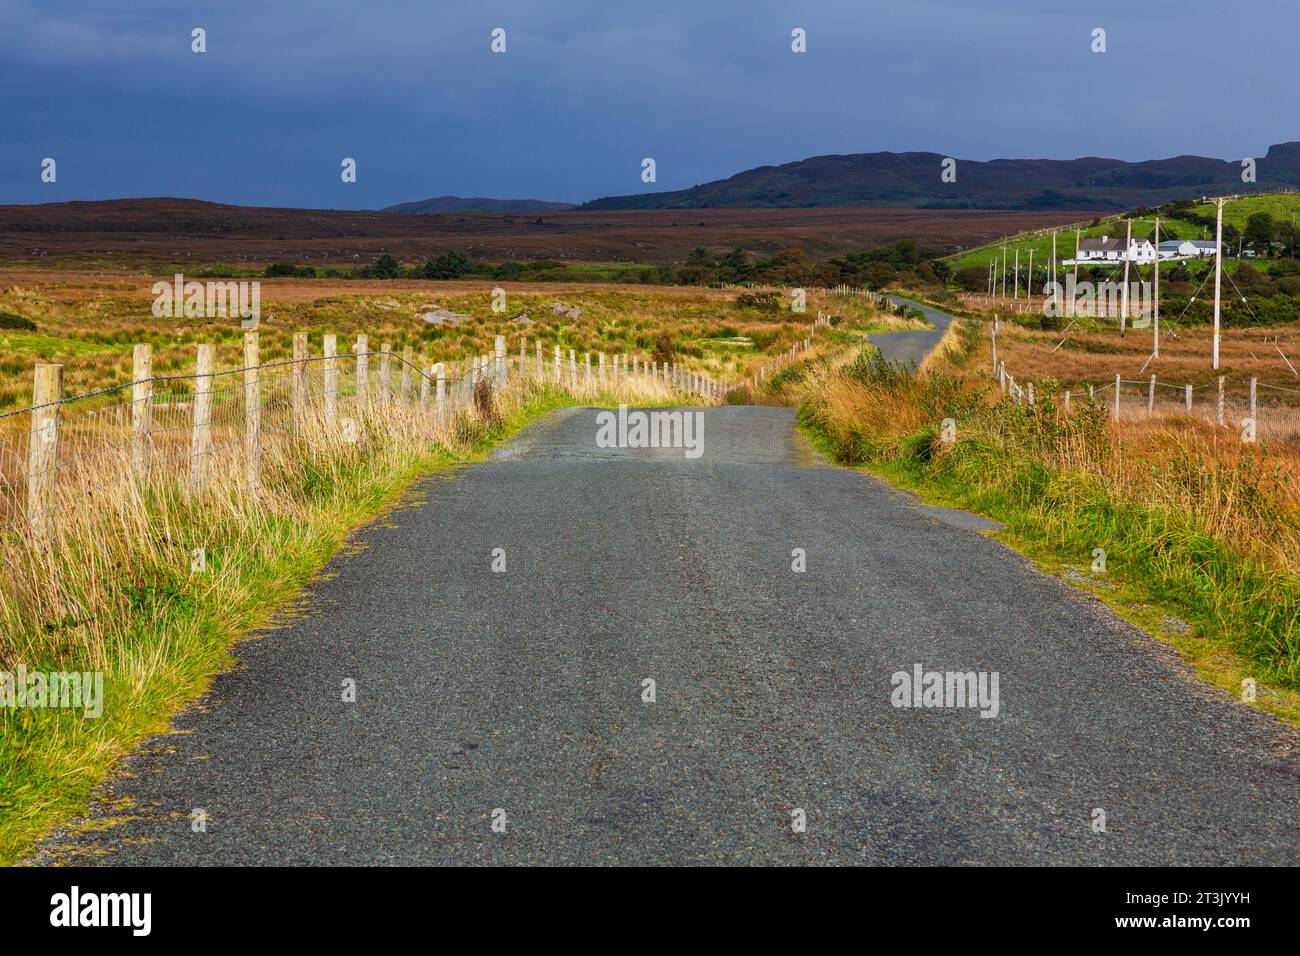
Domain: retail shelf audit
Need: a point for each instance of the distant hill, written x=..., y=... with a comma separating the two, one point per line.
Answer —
x=913, y=180
x=446, y=204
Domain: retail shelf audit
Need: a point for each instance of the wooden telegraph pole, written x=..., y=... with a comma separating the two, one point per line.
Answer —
x=1218, y=270
x=1076, y=270
x=1128, y=247
x=1056, y=292
x=1029, y=279
x=1155, y=306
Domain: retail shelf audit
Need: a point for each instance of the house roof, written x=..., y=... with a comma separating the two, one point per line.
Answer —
x=1100, y=245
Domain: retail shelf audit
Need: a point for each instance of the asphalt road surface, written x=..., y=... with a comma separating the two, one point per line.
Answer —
x=522, y=691
x=913, y=346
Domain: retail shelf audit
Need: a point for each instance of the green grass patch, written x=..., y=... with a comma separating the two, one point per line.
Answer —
x=36, y=345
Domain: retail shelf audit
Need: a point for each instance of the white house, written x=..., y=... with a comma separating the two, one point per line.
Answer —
x=1186, y=249
x=1107, y=249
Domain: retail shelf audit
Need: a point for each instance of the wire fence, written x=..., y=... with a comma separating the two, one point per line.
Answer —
x=1224, y=402
x=62, y=452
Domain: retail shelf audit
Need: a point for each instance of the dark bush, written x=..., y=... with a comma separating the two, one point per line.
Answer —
x=10, y=321
x=288, y=270
x=763, y=301
x=448, y=265
x=664, y=352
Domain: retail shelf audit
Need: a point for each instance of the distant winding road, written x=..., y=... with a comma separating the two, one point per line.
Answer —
x=912, y=346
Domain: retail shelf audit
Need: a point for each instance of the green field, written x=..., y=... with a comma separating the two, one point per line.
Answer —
x=1282, y=206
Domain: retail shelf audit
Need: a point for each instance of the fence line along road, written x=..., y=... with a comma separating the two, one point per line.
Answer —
x=62, y=450
x=1228, y=411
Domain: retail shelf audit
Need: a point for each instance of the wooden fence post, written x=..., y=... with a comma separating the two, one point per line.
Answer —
x=1254, y=422
x=573, y=368
x=408, y=355
x=541, y=369
x=1187, y=397
x=503, y=374
x=331, y=379
x=523, y=356
x=201, y=438
x=424, y=387
x=440, y=372
x=298, y=382
x=43, y=461
x=1115, y=411
x=252, y=411
x=363, y=349
x=1220, y=415
x=1067, y=403
x=141, y=407
x=601, y=363
x=385, y=373
x=1151, y=397
x=1031, y=393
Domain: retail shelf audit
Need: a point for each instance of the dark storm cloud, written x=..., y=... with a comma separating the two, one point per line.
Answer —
x=411, y=90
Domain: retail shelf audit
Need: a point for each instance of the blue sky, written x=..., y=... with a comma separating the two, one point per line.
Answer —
x=412, y=91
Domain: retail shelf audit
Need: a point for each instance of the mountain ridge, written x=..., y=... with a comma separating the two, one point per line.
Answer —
x=913, y=180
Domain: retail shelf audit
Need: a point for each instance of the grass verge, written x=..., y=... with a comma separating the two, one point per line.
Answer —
x=1199, y=532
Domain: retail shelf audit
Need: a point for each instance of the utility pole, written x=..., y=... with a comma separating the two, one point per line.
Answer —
x=1015, y=287
x=1128, y=250
x=1029, y=279
x=1004, y=272
x=1076, y=270
x=1218, y=270
x=1056, y=292
x=1156, y=304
